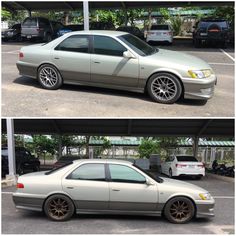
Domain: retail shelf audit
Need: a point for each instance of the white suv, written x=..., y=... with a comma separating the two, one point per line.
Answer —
x=160, y=33
x=180, y=165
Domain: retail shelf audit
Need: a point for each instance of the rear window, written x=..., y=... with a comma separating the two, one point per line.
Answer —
x=58, y=168
x=186, y=158
x=160, y=27
x=206, y=24
x=30, y=22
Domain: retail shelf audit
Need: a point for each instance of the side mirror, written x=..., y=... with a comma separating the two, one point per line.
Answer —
x=149, y=182
x=127, y=54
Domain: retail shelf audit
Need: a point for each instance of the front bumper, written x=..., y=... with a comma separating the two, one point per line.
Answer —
x=202, y=89
x=205, y=208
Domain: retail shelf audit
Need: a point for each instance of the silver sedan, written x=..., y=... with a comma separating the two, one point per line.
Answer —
x=117, y=60
x=110, y=187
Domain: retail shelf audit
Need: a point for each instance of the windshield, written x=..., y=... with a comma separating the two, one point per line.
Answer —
x=154, y=177
x=30, y=22
x=139, y=46
x=186, y=158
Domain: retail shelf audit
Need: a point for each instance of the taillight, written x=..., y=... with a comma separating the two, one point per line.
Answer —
x=21, y=55
x=149, y=33
x=214, y=30
x=201, y=165
x=180, y=165
x=20, y=185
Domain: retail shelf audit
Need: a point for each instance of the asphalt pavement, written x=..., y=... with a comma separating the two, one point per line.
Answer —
x=23, y=97
x=26, y=222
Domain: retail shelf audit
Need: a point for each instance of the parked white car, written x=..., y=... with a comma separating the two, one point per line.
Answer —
x=160, y=33
x=180, y=165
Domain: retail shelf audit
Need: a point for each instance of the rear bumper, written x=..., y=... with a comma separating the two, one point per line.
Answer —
x=199, y=88
x=28, y=202
x=205, y=208
x=27, y=69
x=190, y=172
x=159, y=39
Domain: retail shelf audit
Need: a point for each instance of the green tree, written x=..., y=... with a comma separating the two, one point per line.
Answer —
x=147, y=147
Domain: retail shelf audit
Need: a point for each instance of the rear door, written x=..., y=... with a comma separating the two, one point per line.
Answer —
x=88, y=187
x=72, y=58
x=129, y=191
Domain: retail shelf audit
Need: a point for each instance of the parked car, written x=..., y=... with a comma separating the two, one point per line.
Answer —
x=39, y=28
x=25, y=161
x=69, y=28
x=110, y=186
x=132, y=30
x=65, y=159
x=211, y=31
x=102, y=25
x=13, y=33
x=182, y=165
x=117, y=60
x=160, y=33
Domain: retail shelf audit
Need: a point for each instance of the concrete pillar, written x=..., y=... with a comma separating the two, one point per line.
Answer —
x=222, y=154
x=195, y=146
x=11, y=150
x=86, y=15
x=90, y=152
x=60, y=147
x=29, y=13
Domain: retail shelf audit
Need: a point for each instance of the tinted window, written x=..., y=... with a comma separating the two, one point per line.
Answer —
x=75, y=43
x=89, y=172
x=18, y=26
x=120, y=173
x=186, y=158
x=108, y=46
x=137, y=45
x=58, y=168
x=160, y=27
x=30, y=22
x=206, y=24
x=43, y=22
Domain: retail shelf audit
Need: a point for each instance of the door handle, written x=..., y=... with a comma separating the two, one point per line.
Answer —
x=70, y=187
x=116, y=190
x=56, y=58
x=97, y=62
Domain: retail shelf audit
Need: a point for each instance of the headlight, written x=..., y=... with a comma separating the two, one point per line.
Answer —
x=205, y=196
x=200, y=74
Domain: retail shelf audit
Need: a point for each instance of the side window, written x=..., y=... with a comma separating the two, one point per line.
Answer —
x=43, y=22
x=120, y=173
x=107, y=46
x=95, y=172
x=75, y=43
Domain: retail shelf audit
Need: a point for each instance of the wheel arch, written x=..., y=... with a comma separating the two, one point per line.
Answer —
x=168, y=71
x=58, y=193
x=49, y=63
x=181, y=195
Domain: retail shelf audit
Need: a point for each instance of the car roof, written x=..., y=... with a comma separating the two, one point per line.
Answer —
x=103, y=161
x=99, y=32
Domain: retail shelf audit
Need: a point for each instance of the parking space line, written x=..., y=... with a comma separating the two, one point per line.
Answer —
x=12, y=52
x=223, y=64
x=7, y=192
x=227, y=54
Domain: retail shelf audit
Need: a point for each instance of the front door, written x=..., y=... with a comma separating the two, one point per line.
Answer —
x=109, y=67
x=88, y=187
x=129, y=191
x=72, y=58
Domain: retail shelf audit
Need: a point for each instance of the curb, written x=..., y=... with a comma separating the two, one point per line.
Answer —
x=220, y=177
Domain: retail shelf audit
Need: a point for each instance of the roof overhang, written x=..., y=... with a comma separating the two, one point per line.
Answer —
x=126, y=127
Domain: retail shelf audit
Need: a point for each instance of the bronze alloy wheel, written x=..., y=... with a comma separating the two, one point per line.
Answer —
x=179, y=210
x=59, y=207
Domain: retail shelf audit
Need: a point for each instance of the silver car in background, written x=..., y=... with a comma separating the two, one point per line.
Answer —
x=110, y=187
x=117, y=60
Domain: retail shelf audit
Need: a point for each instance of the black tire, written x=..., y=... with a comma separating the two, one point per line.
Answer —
x=48, y=37
x=162, y=77
x=170, y=173
x=197, y=43
x=63, y=210
x=179, y=210
x=36, y=168
x=57, y=81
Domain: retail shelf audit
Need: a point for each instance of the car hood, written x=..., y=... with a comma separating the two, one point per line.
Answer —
x=172, y=183
x=179, y=59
